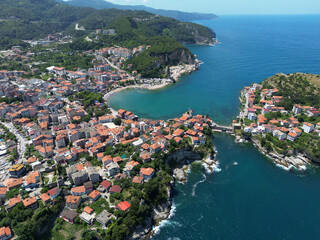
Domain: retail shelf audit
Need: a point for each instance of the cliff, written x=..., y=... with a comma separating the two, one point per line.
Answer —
x=164, y=52
x=179, y=56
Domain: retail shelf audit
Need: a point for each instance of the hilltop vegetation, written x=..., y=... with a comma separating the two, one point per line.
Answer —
x=164, y=52
x=297, y=88
x=181, y=16
x=28, y=19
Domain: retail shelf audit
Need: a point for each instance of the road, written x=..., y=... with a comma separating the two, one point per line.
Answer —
x=22, y=142
x=105, y=60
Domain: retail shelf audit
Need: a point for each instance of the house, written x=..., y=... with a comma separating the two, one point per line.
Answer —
x=312, y=112
x=104, y=218
x=45, y=151
x=252, y=116
x=112, y=169
x=79, y=177
x=69, y=215
x=307, y=127
x=94, y=195
x=137, y=179
x=17, y=170
x=93, y=174
x=78, y=191
x=145, y=157
x=45, y=198
x=53, y=193
x=147, y=173
x=297, y=131
x=105, y=185
x=30, y=202
x=297, y=109
x=87, y=215
x=129, y=166
x=280, y=135
x=12, y=203
x=123, y=206
x=292, y=136
x=155, y=148
x=88, y=187
x=178, y=132
x=115, y=189
x=73, y=202
x=3, y=193
x=5, y=233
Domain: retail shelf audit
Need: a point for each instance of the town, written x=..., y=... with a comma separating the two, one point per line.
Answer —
x=65, y=152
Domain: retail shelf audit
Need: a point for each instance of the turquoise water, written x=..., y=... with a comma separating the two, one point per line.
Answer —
x=249, y=198
x=252, y=49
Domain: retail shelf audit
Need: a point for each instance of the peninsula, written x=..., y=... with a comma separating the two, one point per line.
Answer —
x=281, y=117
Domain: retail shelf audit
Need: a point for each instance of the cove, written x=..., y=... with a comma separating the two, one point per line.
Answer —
x=249, y=198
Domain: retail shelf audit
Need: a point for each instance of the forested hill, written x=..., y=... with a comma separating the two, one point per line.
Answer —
x=28, y=19
x=296, y=88
x=181, y=16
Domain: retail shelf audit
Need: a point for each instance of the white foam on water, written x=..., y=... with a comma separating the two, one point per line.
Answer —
x=167, y=221
x=197, y=183
x=283, y=167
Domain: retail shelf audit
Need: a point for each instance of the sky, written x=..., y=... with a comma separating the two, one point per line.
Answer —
x=233, y=6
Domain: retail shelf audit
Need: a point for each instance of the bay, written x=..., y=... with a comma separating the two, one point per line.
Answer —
x=249, y=198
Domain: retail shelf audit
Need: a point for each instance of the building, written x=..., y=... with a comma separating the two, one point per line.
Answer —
x=292, y=136
x=115, y=189
x=280, y=135
x=5, y=233
x=69, y=215
x=78, y=191
x=147, y=173
x=17, y=170
x=112, y=169
x=88, y=215
x=297, y=109
x=104, y=218
x=79, y=177
x=104, y=186
x=30, y=202
x=123, y=206
x=308, y=127
x=94, y=195
x=53, y=193
x=93, y=174
x=73, y=202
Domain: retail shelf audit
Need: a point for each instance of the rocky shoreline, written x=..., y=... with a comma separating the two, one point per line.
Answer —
x=298, y=162
x=164, y=211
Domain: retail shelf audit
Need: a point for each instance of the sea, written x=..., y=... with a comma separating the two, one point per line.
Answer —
x=248, y=196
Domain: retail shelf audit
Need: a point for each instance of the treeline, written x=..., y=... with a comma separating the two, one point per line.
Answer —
x=71, y=61
x=295, y=89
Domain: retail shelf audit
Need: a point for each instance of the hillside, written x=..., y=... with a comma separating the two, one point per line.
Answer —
x=164, y=52
x=181, y=16
x=28, y=19
x=297, y=88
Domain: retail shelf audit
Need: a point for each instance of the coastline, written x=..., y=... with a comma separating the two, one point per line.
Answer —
x=299, y=162
x=165, y=211
x=176, y=73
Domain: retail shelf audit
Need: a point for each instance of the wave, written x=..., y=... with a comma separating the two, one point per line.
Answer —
x=284, y=168
x=197, y=183
x=213, y=168
x=167, y=222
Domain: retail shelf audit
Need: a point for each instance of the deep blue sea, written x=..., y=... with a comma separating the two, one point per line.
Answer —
x=250, y=198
